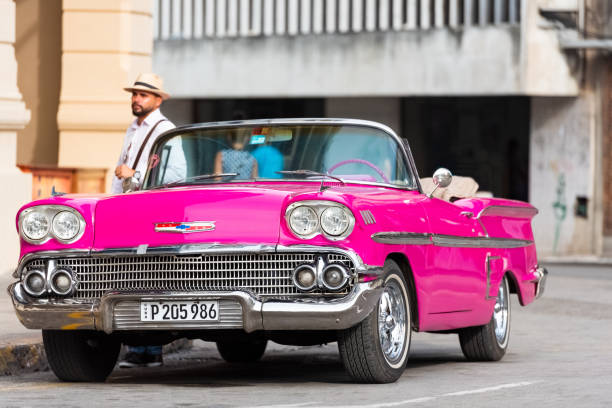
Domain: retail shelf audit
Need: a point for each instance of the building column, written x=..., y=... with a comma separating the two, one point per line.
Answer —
x=105, y=45
x=16, y=186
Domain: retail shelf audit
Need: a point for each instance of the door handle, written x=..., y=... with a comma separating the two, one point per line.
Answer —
x=467, y=214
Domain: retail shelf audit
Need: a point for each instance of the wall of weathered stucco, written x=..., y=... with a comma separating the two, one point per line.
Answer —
x=562, y=139
x=473, y=61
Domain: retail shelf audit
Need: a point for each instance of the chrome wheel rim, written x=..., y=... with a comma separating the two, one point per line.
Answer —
x=501, y=314
x=392, y=322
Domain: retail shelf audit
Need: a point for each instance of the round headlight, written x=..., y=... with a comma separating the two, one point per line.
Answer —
x=303, y=220
x=335, y=277
x=35, y=283
x=35, y=225
x=61, y=282
x=334, y=221
x=305, y=277
x=65, y=225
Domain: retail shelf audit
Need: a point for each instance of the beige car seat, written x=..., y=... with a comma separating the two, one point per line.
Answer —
x=460, y=187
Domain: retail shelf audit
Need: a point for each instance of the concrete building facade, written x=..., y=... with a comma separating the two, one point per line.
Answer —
x=512, y=92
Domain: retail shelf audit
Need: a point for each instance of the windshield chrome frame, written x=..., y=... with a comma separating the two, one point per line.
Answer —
x=404, y=147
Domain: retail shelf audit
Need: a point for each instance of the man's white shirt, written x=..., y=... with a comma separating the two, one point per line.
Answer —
x=134, y=137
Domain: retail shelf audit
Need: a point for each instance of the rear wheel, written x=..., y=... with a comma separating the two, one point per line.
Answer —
x=376, y=350
x=80, y=355
x=489, y=342
x=242, y=351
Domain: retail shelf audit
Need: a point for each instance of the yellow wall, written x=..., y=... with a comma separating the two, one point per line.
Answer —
x=105, y=45
x=38, y=49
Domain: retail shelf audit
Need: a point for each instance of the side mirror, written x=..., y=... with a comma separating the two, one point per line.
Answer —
x=132, y=183
x=441, y=178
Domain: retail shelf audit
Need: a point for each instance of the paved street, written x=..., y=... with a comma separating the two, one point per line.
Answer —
x=560, y=355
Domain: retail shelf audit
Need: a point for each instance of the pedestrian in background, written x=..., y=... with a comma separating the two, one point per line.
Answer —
x=147, y=97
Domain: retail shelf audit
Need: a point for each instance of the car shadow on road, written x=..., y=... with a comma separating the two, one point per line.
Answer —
x=285, y=367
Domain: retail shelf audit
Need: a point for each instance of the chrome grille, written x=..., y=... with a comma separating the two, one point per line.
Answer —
x=263, y=275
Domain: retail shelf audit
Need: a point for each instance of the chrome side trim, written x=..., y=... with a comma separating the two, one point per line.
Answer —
x=413, y=238
x=508, y=211
x=479, y=242
x=402, y=238
x=488, y=290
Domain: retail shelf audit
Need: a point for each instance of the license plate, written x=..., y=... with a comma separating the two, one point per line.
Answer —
x=179, y=311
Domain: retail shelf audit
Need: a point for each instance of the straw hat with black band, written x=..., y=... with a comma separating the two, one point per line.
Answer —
x=149, y=83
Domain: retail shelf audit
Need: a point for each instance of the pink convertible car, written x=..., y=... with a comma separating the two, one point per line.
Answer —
x=298, y=231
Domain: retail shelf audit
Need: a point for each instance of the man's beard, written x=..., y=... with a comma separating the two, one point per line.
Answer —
x=142, y=112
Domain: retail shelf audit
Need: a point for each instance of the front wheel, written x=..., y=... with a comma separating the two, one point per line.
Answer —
x=489, y=342
x=80, y=355
x=376, y=350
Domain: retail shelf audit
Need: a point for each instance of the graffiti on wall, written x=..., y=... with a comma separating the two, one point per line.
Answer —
x=559, y=210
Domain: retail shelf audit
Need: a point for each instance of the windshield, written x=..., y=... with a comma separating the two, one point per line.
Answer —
x=349, y=152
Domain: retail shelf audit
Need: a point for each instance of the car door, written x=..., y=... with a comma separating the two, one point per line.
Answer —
x=455, y=262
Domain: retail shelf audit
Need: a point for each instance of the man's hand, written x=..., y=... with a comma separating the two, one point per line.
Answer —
x=124, y=171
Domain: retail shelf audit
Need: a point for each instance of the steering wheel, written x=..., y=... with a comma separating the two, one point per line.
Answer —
x=360, y=161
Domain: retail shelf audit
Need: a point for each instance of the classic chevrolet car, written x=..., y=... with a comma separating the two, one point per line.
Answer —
x=298, y=231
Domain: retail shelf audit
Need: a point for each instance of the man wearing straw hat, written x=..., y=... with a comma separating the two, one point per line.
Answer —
x=147, y=96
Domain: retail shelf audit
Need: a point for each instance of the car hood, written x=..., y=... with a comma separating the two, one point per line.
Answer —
x=246, y=213
x=240, y=214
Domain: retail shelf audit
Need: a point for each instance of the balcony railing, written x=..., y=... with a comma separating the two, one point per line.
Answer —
x=193, y=19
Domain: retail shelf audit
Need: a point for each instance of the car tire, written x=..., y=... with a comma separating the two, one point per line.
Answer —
x=376, y=350
x=247, y=351
x=490, y=341
x=82, y=356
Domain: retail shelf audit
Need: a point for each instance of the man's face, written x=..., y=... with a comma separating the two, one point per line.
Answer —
x=144, y=103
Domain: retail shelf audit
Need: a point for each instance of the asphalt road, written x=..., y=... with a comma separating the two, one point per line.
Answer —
x=560, y=355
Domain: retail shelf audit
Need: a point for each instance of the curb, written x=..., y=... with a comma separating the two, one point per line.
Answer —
x=576, y=260
x=21, y=359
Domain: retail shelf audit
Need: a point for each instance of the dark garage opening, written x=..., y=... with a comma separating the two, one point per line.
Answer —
x=486, y=138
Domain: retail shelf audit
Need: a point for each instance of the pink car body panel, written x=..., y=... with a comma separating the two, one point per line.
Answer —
x=455, y=285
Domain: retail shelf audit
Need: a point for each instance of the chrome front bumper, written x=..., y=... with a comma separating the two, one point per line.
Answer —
x=120, y=311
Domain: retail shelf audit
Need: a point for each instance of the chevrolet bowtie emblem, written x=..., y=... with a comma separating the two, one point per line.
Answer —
x=185, y=227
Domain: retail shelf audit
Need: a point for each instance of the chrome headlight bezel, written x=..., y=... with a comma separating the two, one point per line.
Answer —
x=56, y=225
x=33, y=215
x=50, y=211
x=319, y=206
